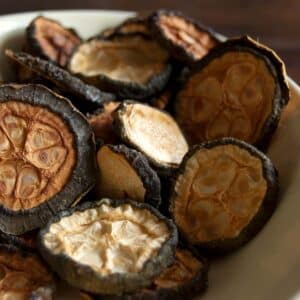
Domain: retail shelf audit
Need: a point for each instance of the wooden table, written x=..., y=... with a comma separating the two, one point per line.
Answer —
x=274, y=22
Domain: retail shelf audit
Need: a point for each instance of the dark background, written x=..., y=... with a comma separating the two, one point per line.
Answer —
x=274, y=22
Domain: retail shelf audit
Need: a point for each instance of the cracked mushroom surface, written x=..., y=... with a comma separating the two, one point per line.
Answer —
x=220, y=191
x=36, y=155
x=22, y=275
x=113, y=246
x=237, y=92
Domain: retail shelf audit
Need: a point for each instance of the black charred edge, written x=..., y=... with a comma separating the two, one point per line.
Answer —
x=82, y=178
x=195, y=287
x=162, y=170
x=33, y=44
x=268, y=206
x=85, y=278
x=123, y=89
x=175, y=50
x=16, y=241
x=23, y=252
x=275, y=66
x=61, y=78
x=148, y=176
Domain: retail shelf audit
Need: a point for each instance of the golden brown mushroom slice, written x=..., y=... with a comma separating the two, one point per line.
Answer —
x=101, y=122
x=113, y=246
x=225, y=192
x=49, y=39
x=23, y=275
x=153, y=132
x=126, y=173
x=46, y=148
x=130, y=65
x=238, y=90
x=186, y=39
x=184, y=279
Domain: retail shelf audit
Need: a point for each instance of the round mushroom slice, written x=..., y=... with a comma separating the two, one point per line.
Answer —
x=239, y=90
x=84, y=96
x=23, y=275
x=186, y=39
x=184, y=279
x=109, y=246
x=153, y=132
x=225, y=192
x=126, y=173
x=130, y=65
x=46, y=162
x=49, y=39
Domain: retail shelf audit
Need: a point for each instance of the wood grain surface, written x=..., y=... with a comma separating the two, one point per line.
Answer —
x=273, y=22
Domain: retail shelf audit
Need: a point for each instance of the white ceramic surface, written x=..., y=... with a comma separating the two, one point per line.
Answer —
x=269, y=266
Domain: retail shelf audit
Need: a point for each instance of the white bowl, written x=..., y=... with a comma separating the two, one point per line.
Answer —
x=269, y=266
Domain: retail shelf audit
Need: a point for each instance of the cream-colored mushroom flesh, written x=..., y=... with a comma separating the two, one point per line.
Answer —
x=117, y=178
x=183, y=270
x=37, y=155
x=109, y=239
x=218, y=193
x=130, y=59
x=181, y=32
x=154, y=133
x=231, y=96
x=21, y=275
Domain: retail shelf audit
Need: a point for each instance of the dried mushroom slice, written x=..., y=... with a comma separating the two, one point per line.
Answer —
x=46, y=156
x=153, y=132
x=109, y=246
x=86, y=95
x=49, y=39
x=130, y=66
x=134, y=25
x=162, y=100
x=225, y=192
x=237, y=90
x=184, y=279
x=186, y=39
x=24, y=241
x=23, y=275
x=126, y=173
x=101, y=122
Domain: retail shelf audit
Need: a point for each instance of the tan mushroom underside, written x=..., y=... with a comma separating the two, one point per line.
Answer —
x=231, y=96
x=219, y=192
x=36, y=155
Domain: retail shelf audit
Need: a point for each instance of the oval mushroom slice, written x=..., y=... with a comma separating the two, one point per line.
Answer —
x=153, y=132
x=184, y=279
x=23, y=275
x=126, y=173
x=130, y=65
x=49, y=39
x=224, y=193
x=109, y=246
x=239, y=90
x=50, y=148
x=186, y=39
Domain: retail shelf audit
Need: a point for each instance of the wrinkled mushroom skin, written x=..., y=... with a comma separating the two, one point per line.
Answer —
x=84, y=96
x=186, y=39
x=224, y=193
x=238, y=90
x=109, y=246
x=23, y=275
x=50, y=40
x=44, y=145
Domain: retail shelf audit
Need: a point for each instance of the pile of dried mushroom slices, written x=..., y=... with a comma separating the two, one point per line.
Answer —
x=126, y=157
